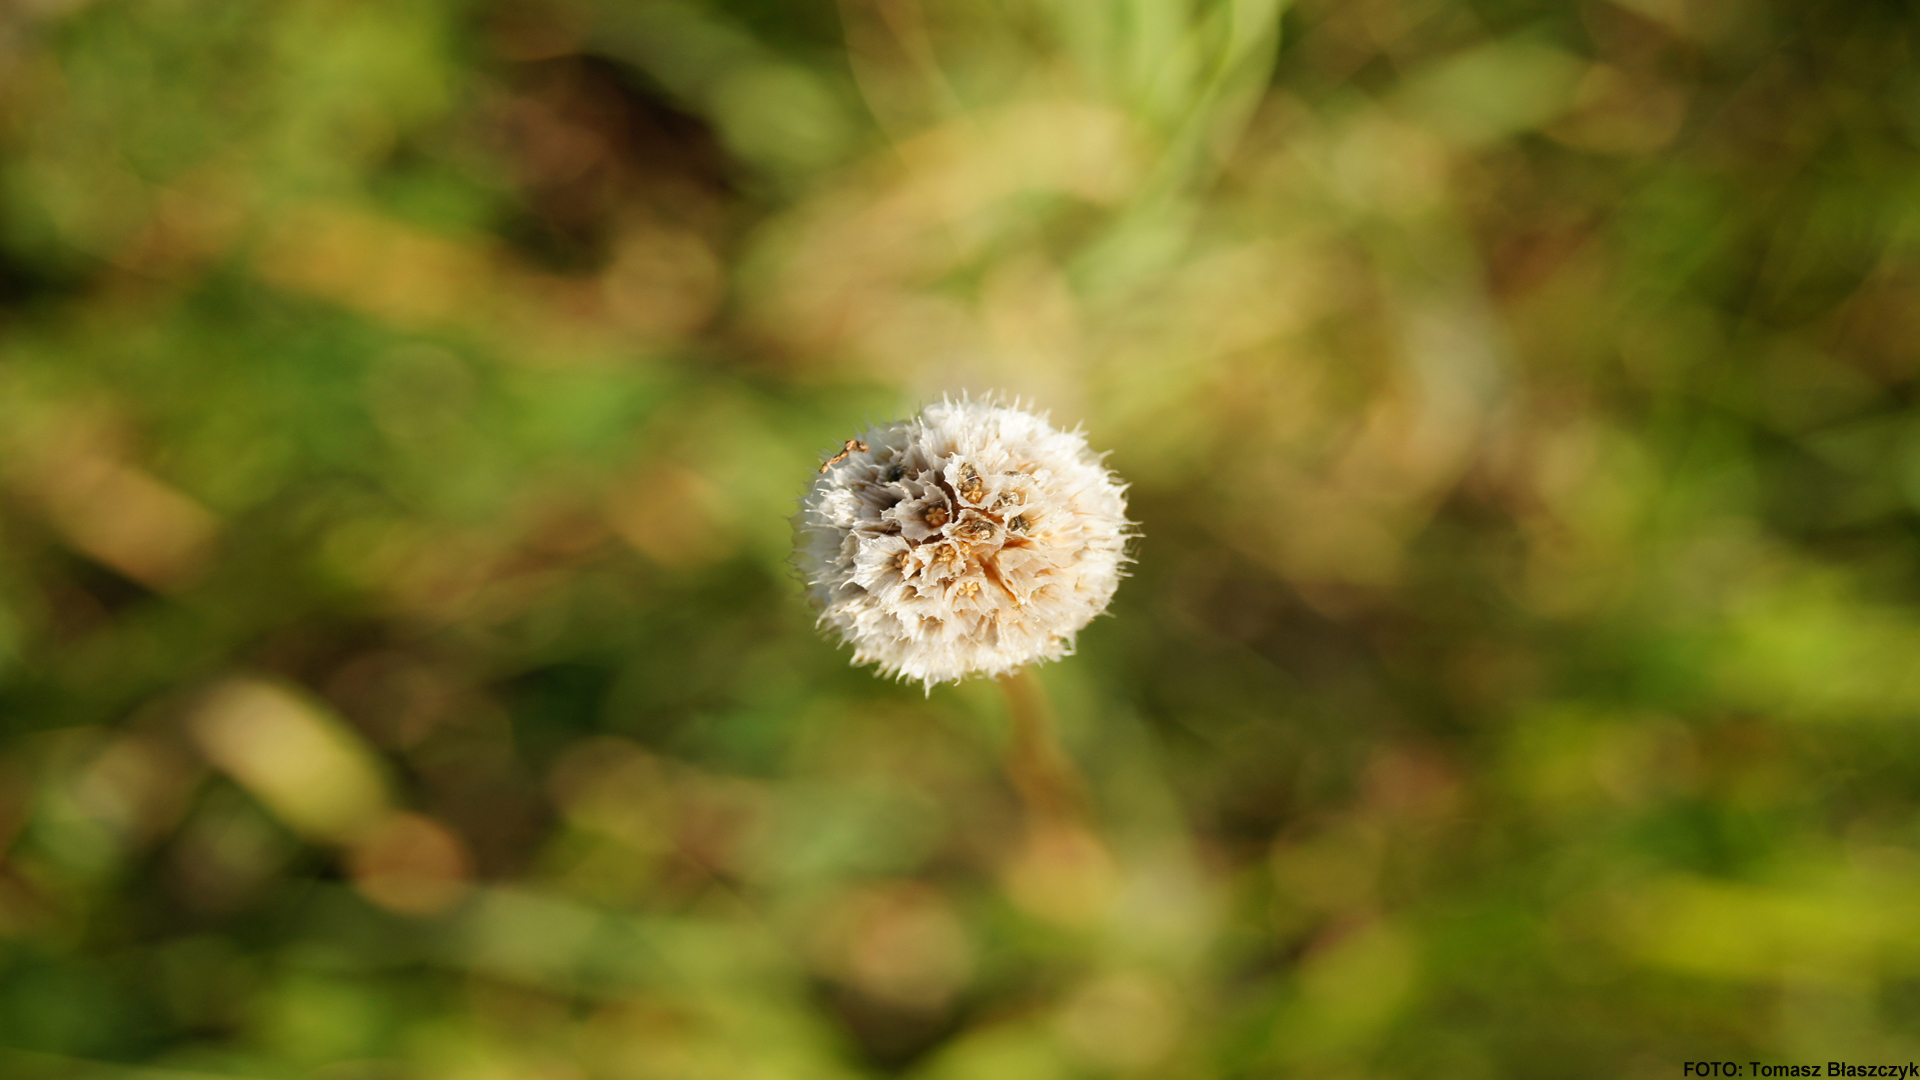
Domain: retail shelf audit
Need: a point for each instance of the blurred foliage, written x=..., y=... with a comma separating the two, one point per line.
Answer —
x=401, y=402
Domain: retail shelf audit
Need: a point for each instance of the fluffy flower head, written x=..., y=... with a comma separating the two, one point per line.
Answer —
x=970, y=539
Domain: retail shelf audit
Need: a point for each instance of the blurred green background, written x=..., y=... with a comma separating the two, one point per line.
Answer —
x=402, y=676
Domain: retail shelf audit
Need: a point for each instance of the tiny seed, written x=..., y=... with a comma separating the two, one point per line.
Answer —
x=1019, y=524
x=972, y=488
x=897, y=472
x=936, y=516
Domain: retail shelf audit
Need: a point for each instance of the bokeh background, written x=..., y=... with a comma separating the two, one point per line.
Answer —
x=402, y=676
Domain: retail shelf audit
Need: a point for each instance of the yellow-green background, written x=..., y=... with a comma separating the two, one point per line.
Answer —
x=402, y=676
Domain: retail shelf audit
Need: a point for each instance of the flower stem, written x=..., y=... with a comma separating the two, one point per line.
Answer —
x=1050, y=788
x=1061, y=870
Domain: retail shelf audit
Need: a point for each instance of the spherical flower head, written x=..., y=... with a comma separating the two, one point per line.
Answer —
x=970, y=539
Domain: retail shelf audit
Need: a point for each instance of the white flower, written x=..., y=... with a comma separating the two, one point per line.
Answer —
x=970, y=539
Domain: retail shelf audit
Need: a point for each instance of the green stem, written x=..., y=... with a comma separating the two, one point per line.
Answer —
x=1051, y=789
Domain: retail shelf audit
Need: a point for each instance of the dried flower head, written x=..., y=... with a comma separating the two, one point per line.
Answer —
x=970, y=539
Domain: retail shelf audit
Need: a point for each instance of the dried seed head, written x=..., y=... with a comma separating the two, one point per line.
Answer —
x=968, y=501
